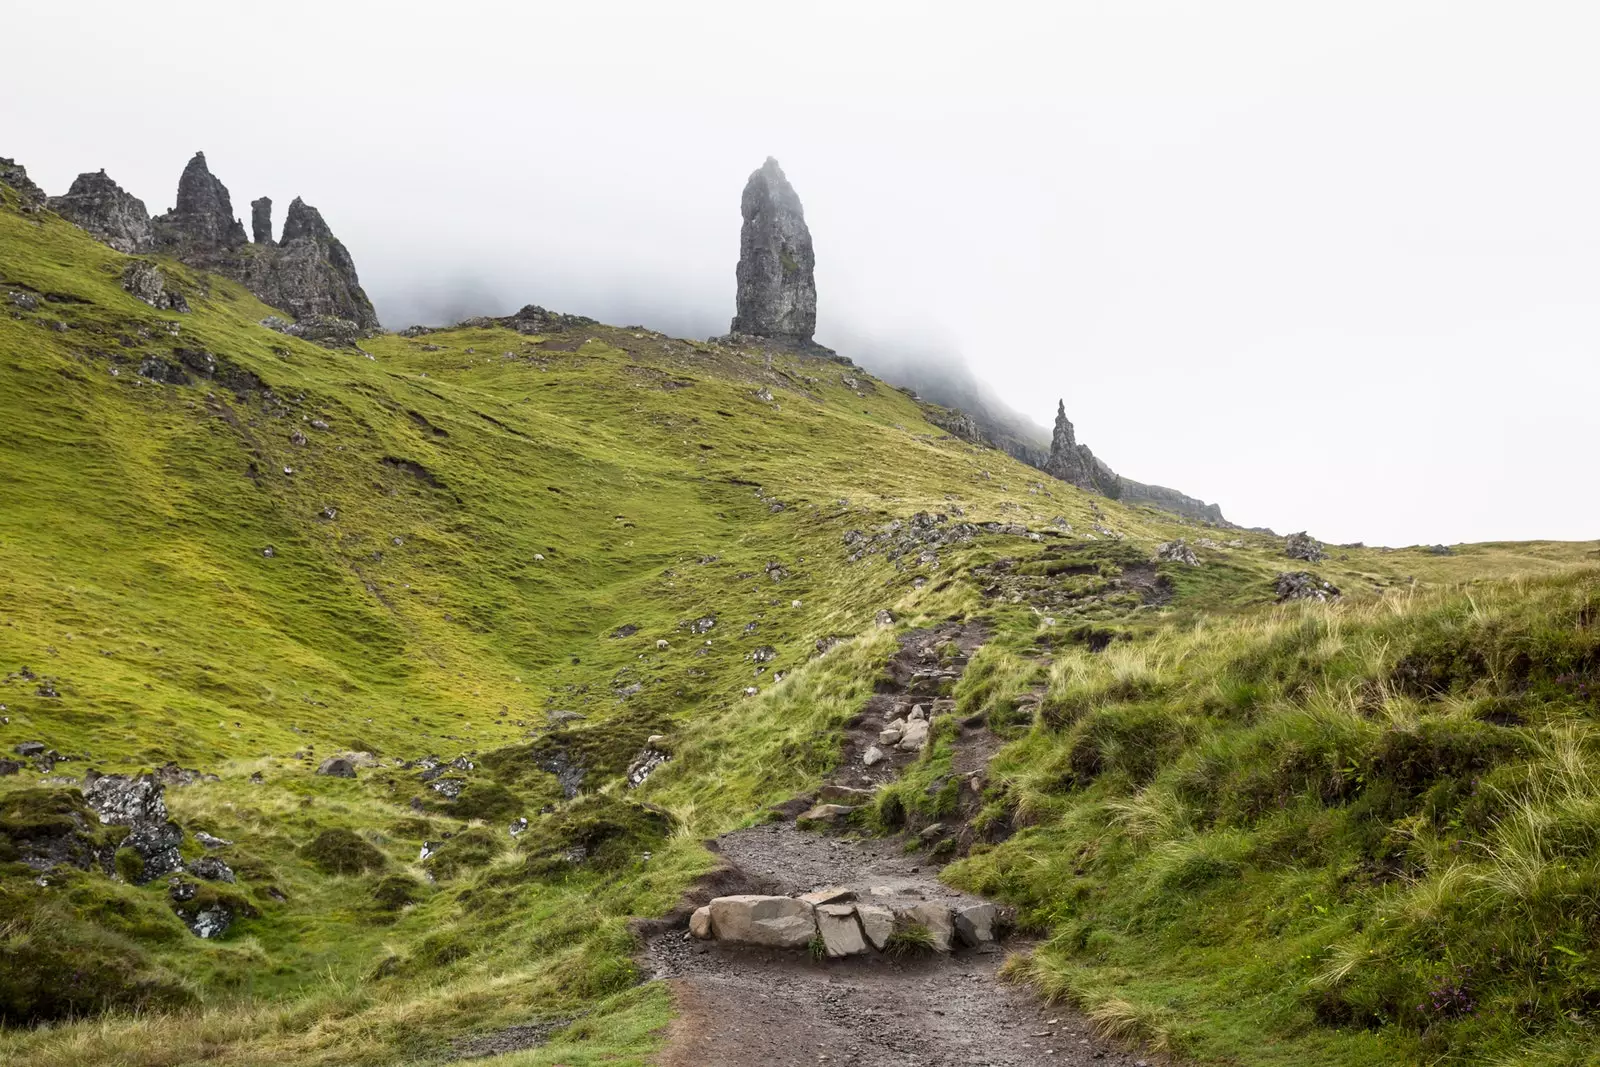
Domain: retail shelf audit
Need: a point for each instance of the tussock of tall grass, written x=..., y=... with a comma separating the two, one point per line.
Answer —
x=1385, y=813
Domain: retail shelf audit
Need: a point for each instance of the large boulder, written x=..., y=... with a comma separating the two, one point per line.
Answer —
x=109, y=212
x=776, y=922
x=777, y=296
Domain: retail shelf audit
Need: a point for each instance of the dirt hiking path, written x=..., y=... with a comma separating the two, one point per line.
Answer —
x=740, y=1006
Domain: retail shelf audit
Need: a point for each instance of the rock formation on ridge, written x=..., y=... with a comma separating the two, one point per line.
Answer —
x=1072, y=462
x=309, y=272
x=15, y=175
x=777, y=296
x=201, y=229
x=261, y=220
x=109, y=212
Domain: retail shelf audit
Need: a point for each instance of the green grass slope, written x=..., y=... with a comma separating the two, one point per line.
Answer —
x=229, y=549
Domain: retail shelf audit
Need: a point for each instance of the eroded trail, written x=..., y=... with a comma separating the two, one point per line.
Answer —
x=754, y=1007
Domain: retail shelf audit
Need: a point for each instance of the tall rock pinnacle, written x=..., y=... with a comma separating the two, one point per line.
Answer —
x=1072, y=462
x=777, y=292
x=261, y=220
x=203, y=221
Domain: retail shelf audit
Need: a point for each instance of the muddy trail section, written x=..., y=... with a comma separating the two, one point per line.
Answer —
x=746, y=1006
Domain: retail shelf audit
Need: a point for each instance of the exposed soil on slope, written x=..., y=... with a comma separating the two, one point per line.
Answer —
x=740, y=1006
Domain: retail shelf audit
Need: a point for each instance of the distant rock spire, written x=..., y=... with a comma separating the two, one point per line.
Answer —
x=261, y=220
x=777, y=295
x=106, y=210
x=1075, y=463
x=202, y=225
x=310, y=272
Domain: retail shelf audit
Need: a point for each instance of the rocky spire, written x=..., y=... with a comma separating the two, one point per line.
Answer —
x=261, y=220
x=310, y=272
x=1072, y=462
x=777, y=293
x=202, y=223
x=107, y=211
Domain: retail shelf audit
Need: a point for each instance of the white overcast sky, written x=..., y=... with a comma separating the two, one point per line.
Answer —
x=1335, y=266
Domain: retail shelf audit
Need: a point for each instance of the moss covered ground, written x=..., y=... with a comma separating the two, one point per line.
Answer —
x=233, y=550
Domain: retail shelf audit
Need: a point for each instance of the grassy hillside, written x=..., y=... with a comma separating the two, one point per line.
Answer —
x=241, y=553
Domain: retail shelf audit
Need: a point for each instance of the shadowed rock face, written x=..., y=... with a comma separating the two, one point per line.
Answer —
x=202, y=225
x=309, y=273
x=777, y=291
x=107, y=211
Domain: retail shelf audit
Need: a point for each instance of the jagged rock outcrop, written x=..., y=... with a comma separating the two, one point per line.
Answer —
x=201, y=229
x=109, y=212
x=146, y=282
x=261, y=220
x=777, y=296
x=1075, y=463
x=1171, y=500
x=956, y=423
x=1303, y=546
x=15, y=175
x=309, y=272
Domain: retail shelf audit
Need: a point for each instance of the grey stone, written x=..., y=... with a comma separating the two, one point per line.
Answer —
x=872, y=756
x=828, y=813
x=337, y=767
x=107, y=211
x=936, y=919
x=915, y=737
x=877, y=923
x=976, y=924
x=211, y=869
x=700, y=922
x=777, y=293
x=776, y=922
x=210, y=841
x=834, y=894
x=841, y=933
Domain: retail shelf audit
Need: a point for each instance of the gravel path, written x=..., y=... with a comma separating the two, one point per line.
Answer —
x=740, y=1006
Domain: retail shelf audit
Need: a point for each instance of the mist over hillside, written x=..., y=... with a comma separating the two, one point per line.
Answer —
x=926, y=364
